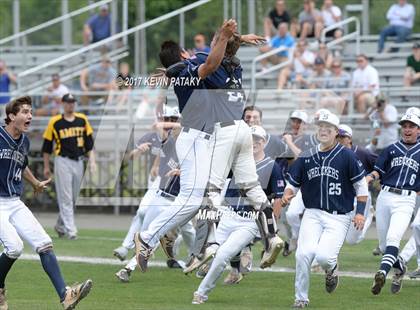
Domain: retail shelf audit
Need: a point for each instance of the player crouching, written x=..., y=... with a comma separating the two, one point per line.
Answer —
x=16, y=221
x=329, y=177
x=398, y=169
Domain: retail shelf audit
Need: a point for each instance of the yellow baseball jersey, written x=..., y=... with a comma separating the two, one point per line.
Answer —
x=72, y=139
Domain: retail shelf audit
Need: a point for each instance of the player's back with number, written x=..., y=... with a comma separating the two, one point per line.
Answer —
x=13, y=160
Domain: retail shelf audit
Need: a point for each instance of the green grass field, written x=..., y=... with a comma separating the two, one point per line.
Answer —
x=162, y=288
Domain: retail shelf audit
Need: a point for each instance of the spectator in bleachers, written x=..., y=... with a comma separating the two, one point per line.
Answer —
x=283, y=38
x=412, y=70
x=98, y=26
x=339, y=79
x=303, y=60
x=325, y=54
x=319, y=76
x=384, y=117
x=6, y=78
x=275, y=17
x=401, y=21
x=123, y=87
x=99, y=77
x=310, y=21
x=365, y=81
x=200, y=44
x=51, y=103
x=331, y=14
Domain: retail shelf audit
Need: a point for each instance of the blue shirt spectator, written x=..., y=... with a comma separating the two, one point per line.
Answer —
x=287, y=40
x=200, y=44
x=98, y=26
x=5, y=79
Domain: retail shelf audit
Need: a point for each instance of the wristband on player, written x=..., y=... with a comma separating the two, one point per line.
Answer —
x=360, y=207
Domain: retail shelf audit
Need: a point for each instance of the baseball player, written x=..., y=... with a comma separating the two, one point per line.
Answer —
x=151, y=142
x=397, y=168
x=237, y=226
x=329, y=177
x=73, y=139
x=367, y=158
x=16, y=221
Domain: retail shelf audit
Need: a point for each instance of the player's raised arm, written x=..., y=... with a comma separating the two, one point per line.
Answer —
x=217, y=52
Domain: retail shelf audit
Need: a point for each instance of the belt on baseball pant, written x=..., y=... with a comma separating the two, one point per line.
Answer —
x=73, y=158
x=200, y=133
x=166, y=195
x=227, y=124
x=335, y=212
x=398, y=191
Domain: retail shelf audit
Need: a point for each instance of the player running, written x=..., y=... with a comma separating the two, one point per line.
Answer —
x=237, y=226
x=329, y=177
x=398, y=169
x=16, y=221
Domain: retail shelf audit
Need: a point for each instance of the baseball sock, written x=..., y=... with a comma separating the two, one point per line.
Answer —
x=389, y=259
x=50, y=265
x=236, y=261
x=5, y=264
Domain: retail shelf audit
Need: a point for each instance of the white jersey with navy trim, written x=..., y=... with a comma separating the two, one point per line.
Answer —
x=326, y=178
x=13, y=160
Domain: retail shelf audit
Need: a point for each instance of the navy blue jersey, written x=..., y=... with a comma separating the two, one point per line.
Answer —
x=367, y=157
x=304, y=142
x=13, y=160
x=398, y=166
x=155, y=147
x=275, y=147
x=168, y=161
x=270, y=178
x=326, y=178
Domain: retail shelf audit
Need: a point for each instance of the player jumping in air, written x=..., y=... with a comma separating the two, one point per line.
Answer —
x=16, y=221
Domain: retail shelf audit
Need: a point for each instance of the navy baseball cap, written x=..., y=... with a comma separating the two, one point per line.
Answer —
x=319, y=61
x=68, y=98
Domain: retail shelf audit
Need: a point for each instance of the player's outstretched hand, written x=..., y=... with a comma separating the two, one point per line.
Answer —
x=253, y=39
x=287, y=196
x=359, y=221
x=41, y=186
x=228, y=28
x=144, y=147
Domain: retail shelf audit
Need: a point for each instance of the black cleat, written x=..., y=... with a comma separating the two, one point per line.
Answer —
x=378, y=283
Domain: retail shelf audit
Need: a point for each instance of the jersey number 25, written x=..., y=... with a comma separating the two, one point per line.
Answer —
x=334, y=189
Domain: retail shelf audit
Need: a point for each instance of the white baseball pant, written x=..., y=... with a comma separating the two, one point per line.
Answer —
x=355, y=236
x=233, y=233
x=68, y=175
x=294, y=213
x=137, y=220
x=393, y=215
x=233, y=151
x=193, y=150
x=321, y=237
x=16, y=222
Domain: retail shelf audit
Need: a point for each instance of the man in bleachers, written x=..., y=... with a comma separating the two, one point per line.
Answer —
x=98, y=26
x=401, y=20
x=51, y=103
x=276, y=16
x=319, y=76
x=283, y=38
x=412, y=70
x=310, y=21
x=339, y=79
x=303, y=60
x=365, y=81
x=331, y=14
x=200, y=44
x=99, y=77
x=6, y=78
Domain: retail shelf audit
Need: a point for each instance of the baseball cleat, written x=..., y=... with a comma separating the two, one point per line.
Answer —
x=167, y=243
x=195, y=263
x=269, y=257
x=173, y=263
x=143, y=252
x=75, y=294
x=397, y=280
x=203, y=270
x=286, y=251
x=3, y=302
x=199, y=299
x=331, y=280
x=121, y=253
x=378, y=282
x=245, y=261
x=377, y=251
x=123, y=275
x=415, y=274
x=59, y=232
x=234, y=277
x=300, y=304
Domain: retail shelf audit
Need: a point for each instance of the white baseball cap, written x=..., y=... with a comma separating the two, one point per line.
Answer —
x=413, y=110
x=300, y=114
x=170, y=111
x=410, y=118
x=345, y=130
x=319, y=112
x=329, y=118
x=259, y=132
